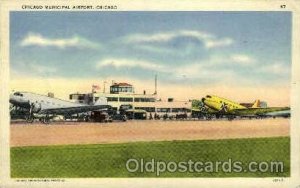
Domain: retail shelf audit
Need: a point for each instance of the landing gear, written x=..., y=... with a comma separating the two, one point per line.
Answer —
x=29, y=119
x=86, y=118
x=46, y=119
x=33, y=109
x=231, y=117
x=209, y=117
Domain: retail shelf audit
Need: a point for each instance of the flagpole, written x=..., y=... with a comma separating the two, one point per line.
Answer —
x=104, y=86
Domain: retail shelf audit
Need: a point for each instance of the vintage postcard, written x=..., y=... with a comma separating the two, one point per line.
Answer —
x=152, y=94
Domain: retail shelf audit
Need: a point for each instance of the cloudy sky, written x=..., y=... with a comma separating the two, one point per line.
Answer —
x=217, y=52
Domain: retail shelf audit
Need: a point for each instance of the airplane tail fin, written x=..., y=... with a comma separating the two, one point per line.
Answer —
x=256, y=104
x=101, y=101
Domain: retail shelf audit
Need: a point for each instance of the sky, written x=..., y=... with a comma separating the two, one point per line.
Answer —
x=240, y=55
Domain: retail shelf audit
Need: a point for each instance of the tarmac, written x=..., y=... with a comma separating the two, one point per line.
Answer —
x=65, y=133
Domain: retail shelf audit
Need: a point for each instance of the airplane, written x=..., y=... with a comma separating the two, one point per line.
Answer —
x=45, y=108
x=230, y=109
x=203, y=112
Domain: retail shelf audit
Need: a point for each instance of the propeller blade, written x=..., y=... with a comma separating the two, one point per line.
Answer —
x=224, y=107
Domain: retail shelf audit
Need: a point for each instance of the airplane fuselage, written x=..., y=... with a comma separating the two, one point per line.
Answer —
x=228, y=107
x=217, y=103
x=40, y=102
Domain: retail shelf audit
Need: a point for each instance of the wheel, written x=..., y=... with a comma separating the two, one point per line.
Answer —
x=46, y=120
x=29, y=119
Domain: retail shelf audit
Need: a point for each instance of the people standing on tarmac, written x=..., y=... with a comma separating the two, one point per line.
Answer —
x=150, y=117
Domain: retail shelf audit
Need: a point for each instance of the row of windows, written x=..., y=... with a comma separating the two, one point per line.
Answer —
x=18, y=94
x=179, y=109
x=124, y=99
x=128, y=99
x=147, y=109
x=144, y=100
x=48, y=102
x=111, y=99
x=77, y=97
x=82, y=97
x=165, y=110
x=121, y=89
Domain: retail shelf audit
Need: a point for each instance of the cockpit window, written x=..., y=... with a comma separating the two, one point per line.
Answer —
x=18, y=94
x=208, y=96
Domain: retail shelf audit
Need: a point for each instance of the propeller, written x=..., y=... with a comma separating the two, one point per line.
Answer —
x=11, y=107
x=224, y=107
x=203, y=108
x=30, y=117
x=33, y=109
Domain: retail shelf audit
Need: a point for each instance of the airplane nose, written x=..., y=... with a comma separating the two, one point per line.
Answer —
x=203, y=99
x=12, y=99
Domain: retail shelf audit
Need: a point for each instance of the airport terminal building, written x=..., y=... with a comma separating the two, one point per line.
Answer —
x=124, y=94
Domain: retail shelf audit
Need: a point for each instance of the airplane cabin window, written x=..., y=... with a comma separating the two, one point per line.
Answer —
x=18, y=94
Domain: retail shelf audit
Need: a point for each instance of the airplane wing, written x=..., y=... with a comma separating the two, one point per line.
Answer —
x=73, y=110
x=258, y=111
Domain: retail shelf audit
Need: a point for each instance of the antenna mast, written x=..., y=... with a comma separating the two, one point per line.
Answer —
x=155, y=92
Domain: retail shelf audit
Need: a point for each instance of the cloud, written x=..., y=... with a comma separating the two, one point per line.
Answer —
x=203, y=71
x=32, y=68
x=276, y=68
x=218, y=43
x=142, y=38
x=155, y=49
x=129, y=63
x=34, y=39
x=190, y=70
x=209, y=40
x=40, y=69
x=166, y=36
x=242, y=59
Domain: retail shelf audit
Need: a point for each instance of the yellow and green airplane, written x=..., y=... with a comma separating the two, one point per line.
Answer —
x=225, y=107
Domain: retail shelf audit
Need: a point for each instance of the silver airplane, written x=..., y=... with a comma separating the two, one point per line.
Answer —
x=45, y=108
